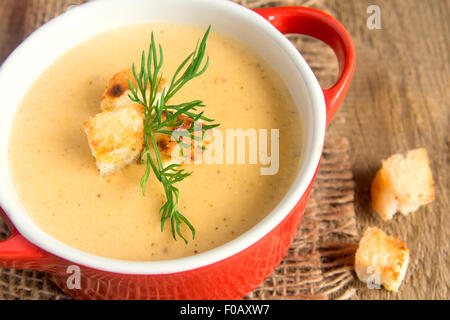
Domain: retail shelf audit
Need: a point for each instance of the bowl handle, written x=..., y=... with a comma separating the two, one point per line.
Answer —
x=17, y=252
x=322, y=26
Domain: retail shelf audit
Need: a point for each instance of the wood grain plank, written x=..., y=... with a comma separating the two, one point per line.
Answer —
x=399, y=100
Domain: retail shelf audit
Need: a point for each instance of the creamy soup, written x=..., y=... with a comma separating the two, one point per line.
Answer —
x=56, y=177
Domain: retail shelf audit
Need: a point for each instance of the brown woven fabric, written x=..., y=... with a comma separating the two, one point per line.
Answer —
x=319, y=264
x=41, y=11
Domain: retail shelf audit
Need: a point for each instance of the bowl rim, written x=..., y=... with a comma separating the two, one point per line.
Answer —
x=40, y=238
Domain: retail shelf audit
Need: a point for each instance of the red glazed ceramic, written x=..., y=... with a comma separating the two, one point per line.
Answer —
x=231, y=270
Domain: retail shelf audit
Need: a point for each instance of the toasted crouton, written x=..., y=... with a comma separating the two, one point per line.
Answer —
x=115, y=137
x=117, y=92
x=381, y=260
x=177, y=148
x=402, y=184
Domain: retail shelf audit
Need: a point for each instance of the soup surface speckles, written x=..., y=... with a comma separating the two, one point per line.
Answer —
x=56, y=177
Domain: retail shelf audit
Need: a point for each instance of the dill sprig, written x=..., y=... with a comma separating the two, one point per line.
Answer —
x=160, y=117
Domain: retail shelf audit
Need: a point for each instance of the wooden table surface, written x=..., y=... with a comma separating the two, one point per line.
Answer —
x=399, y=100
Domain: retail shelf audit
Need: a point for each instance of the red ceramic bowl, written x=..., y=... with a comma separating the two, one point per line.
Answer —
x=229, y=271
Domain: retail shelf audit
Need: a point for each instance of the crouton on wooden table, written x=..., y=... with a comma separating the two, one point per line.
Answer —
x=381, y=260
x=404, y=183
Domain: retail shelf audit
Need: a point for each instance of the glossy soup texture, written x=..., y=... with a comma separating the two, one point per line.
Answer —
x=57, y=180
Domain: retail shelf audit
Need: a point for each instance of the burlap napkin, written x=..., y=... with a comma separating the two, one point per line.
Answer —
x=319, y=264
